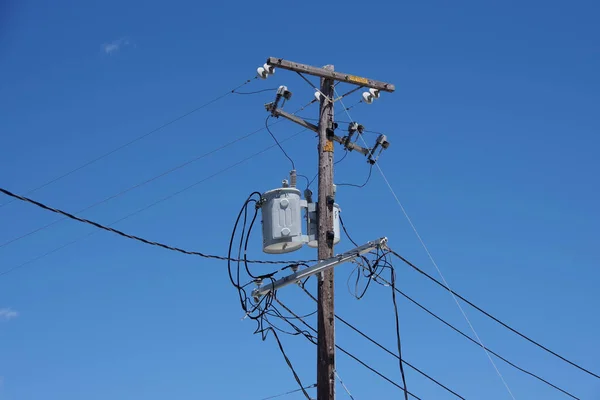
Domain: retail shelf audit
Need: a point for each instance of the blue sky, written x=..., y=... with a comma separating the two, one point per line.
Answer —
x=494, y=137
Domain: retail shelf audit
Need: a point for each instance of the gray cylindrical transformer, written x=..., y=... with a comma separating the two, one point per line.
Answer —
x=312, y=225
x=281, y=220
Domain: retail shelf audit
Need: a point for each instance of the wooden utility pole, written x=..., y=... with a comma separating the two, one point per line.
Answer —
x=325, y=313
x=326, y=200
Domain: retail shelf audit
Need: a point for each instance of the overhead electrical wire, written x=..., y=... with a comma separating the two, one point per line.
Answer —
x=170, y=122
x=398, y=357
x=160, y=201
x=393, y=279
x=289, y=363
x=126, y=235
x=136, y=186
x=505, y=325
x=162, y=174
x=437, y=268
x=375, y=371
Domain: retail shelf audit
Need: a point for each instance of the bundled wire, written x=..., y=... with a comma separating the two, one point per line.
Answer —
x=254, y=309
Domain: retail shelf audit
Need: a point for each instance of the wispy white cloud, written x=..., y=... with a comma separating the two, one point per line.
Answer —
x=7, y=314
x=115, y=45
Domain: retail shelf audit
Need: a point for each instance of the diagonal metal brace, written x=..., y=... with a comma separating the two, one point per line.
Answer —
x=321, y=266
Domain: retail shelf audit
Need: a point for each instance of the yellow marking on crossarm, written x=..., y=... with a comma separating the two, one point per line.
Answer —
x=358, y=79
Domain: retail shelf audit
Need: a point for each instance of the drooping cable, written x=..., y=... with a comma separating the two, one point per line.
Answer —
x=356, y=185
x=399, y=344
x=277, y=142
x=170, y=122
x=255, y=309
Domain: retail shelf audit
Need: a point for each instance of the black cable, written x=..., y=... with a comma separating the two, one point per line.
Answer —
x=358, y=186
x=376, y=372
x=343, y=157
x=259, y=311
x=307, y=180
x=346, y=232
x=289, y=363
x=397, y=356
x=344, y=351
x=317, y=174
x=492, y=317
x=393, y=279
x=277, y=141
x=312, y=180
x=314, y=385
x=136, y=139
x=256, y=92
x=140, y=239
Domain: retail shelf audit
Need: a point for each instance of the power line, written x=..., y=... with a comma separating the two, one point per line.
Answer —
x=355, y=329
x=160, y=201
x=135, y=140
x=126, y=235
x=492, y=317
x=290, y=392
x=393, y=279
x=343, y=350
x=162, y=174
x=140, y=239
x=289, y=363
x=473, y=340
x=437, y=268
x=138, y=185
